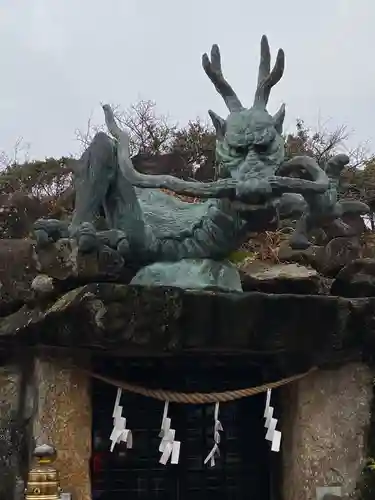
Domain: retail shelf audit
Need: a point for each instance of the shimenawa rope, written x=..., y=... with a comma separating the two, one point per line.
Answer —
x=197, y=397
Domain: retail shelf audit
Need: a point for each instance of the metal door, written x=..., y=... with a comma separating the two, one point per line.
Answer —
x=241, y=472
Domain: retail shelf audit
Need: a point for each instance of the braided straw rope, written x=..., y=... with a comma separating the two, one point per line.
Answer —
x=198, y=397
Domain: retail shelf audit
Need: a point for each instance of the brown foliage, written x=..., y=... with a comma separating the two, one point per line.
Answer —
x=323, y=143
x=265, y=245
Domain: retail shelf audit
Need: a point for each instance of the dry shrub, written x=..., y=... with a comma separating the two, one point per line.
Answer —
x=266, y=245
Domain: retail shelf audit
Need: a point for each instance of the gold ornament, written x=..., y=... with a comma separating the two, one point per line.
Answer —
x=43, y=479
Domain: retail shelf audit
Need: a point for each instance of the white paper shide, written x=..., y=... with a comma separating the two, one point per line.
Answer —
x=119, y=432
x=169, y=448
x=272, y=434
x=215, y=452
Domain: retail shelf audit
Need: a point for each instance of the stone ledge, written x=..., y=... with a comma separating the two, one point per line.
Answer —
x=30, y=275
x=132, y=319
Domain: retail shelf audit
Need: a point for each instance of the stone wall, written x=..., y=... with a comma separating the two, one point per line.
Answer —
x=64, y=420
x=9, y=388
x=326, y=417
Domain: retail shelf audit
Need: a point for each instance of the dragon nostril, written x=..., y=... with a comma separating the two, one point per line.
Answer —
x=242, y=150
x=260, y=148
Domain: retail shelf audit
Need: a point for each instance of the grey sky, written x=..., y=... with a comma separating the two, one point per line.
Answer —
x=61, y=58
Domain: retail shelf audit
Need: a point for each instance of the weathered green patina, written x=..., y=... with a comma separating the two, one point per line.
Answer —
x=257, y=186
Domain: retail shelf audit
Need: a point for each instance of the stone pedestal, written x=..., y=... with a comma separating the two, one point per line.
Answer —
x=64, y=420
x=325, y=419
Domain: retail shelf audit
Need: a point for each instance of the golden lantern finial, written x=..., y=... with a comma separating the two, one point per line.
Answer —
x=43, y=479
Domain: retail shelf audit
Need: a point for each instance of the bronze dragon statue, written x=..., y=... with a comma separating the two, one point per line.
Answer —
x=256, y=187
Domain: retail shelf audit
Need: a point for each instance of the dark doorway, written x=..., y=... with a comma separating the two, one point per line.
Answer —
x=241, y=472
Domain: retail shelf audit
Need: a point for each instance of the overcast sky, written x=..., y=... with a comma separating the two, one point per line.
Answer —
x=61, y=58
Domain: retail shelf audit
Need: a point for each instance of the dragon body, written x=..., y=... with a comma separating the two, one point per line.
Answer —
x=256, y=186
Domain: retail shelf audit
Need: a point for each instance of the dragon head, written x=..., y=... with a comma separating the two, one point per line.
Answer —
x=249, y=141
x=250, y=146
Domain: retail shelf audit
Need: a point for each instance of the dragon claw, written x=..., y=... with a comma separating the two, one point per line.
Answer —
x=123, y=247
x=49, y=231
x=86, y=237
